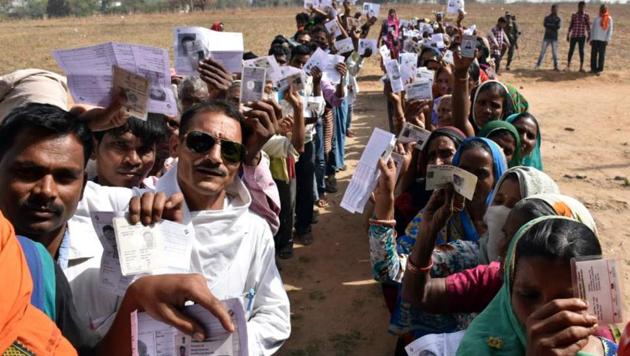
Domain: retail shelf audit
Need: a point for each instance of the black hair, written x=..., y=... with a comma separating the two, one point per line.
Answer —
x=527, y=115
x=530, y=209
x=302, y=17
x=279, y=50
x=215, y=106
x=581, y=3
x=501, y=19
x=508, y=106
x=470, y=144
x=249, y=55
x=301, y=50
x=150, y=131
x=558, y=239
x=317, y=29
x=44, y=120
x=502, y=132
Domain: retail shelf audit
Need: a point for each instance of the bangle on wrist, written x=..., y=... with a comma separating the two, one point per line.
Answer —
x=382, y=222
x=412, y=268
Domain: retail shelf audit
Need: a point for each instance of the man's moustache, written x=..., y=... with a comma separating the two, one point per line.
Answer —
x=40, y=206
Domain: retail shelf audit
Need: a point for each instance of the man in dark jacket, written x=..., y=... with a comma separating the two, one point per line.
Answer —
x=552, y=25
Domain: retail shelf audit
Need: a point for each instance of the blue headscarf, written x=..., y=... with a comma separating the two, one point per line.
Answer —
x=499, y=165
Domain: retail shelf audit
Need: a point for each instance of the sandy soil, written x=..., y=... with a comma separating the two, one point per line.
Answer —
x=337, y=307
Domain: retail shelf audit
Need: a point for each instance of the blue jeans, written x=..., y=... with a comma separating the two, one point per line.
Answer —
x=340, y=117
x=554, y=52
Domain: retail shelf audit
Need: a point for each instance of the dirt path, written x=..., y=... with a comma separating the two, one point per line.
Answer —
x=339, y=310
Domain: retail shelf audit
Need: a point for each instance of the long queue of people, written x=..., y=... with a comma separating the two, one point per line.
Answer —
x=248, y=178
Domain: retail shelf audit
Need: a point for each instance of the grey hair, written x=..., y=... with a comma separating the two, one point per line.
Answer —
x=191, y=87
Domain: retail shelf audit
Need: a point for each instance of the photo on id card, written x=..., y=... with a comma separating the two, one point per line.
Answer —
x=252, y=84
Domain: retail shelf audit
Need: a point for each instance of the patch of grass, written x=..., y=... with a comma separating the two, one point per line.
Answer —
x=345, y=343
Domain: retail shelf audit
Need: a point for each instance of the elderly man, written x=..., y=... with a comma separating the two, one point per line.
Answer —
x=233, y=248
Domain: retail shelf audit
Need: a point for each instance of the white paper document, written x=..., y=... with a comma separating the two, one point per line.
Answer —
x=344, y=46
x=393, y=74
x=159, y=248
x=90, y=75
x=454, y=6
x=111, y=278
x=408, y=65
x=330, y=72
x=274, y=72
x=468, y=46
x=597, y=281
x=318, y=59
x=150, y=337
x=252, y=84
x=136, y=89
x=419, y=90
x=365, y=177
x=385, y=53
x=193, y=44
x=290, y=77
x=333, y=28
x=411, y=133
x=463, y=182
x=425, y=73
x=436, y=344
x=365, y=44
x=371, y=10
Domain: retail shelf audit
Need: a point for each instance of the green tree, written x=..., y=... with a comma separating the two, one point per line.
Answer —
x=58, y=8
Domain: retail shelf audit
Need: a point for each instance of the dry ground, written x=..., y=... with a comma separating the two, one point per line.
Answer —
x=337, y=308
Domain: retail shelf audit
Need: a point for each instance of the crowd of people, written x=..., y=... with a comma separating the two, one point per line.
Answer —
x=249, y=177
x=580, y=31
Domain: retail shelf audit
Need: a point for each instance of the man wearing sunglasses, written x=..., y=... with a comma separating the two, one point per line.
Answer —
x=233, y=247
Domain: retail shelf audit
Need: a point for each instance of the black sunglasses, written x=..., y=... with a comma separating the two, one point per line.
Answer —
x=202, y=143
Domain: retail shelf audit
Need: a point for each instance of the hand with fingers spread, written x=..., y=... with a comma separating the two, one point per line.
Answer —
x=102, y=119
x=151, y=208
x=261, y=122
x=217, y=78
x=560, y=327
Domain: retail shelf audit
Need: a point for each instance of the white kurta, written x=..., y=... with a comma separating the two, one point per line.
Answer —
x=233, y=249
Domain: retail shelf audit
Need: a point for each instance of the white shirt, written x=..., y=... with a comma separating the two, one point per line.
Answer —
x=233, y=249
x=598, y=33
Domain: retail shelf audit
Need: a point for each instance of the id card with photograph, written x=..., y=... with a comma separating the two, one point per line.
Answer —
x=333, y=28
x=468, y=46
x=411, y=133
x=344, y=46
x=463, y=182
x=136, y=89
x=420, y=90
x=393, y=73
x=365, y=44
x=597, y=281
x=252, y=84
